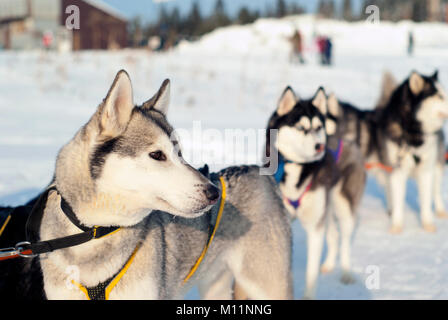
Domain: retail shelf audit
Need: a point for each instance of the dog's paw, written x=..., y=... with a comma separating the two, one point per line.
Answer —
x=429, y=227
x=396, y=230
x=326, y=268
x=347, y=278
x=442, y=215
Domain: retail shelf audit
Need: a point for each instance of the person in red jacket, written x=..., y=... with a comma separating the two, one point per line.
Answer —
x=321, y=47
x=47, y=40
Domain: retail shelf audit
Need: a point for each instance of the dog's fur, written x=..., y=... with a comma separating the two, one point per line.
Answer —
x=336, y=188
x=109, y=175
x=403, y=132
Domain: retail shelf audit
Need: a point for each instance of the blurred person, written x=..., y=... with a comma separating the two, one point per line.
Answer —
x=47, y=40
x=328, y=51
x=297, y=47
x=325, y=48
x=321, y=46
x=410, y=43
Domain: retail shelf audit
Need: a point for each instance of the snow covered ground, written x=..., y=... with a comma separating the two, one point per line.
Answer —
x=231, y=79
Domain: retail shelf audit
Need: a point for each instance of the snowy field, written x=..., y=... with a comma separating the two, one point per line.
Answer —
x=231, y=79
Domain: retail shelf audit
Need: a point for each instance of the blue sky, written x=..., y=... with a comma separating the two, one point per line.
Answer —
x=149, y=9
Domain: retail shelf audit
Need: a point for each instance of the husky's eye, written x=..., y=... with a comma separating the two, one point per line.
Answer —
x=158, y=155
x=318, y=128
x=300, y=128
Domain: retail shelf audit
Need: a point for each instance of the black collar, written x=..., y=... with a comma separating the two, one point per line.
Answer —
x=36, y=247
x=70, y=214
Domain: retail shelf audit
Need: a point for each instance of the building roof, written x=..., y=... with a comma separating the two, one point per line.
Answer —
x=101, y=5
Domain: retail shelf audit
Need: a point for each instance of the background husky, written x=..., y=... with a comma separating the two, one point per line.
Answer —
x=313, y=179
x=352, y=124
x=408, y=119
x=410, y=126
x=122, y=169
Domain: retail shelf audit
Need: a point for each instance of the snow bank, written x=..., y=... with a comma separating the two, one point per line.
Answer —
x=270, y=36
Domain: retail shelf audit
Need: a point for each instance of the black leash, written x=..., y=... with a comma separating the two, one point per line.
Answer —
x=33, y=247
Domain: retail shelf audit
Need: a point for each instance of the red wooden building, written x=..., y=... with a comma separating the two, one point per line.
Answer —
x=31, y=24
x=101, y=27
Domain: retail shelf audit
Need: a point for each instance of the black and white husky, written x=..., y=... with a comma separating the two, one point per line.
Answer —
x=123, y=171
x=318, y=184
x=402, y=137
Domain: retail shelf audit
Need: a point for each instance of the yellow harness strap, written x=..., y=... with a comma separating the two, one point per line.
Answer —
x=117, y=278
x=106, y=235
x=4, y=224
x=218, y=219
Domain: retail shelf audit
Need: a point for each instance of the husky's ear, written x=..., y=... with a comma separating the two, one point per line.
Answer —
x=333, y=105
x=435, y=76
x=333, y=110
x=416, y=83
x=161, y=99
x=117, y=107
x=287, y=101
x=320, y=101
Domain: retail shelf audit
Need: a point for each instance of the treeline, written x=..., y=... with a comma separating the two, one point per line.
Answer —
x=390, y=10
x=172, y=26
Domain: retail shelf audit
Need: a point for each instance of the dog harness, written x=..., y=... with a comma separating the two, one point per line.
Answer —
x=212, y=233
x=5, y=223
x=103, y=289
x=338, y=152
x=32, y=247
x=378, y=165
x=281, y=172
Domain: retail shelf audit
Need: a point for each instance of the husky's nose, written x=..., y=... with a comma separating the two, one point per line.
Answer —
x=212, y=193
x=319, y=147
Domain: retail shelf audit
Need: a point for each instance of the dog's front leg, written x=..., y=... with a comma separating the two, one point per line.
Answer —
x=438, y=198
x=425, y=181
x=397, y=189
x=315, y=239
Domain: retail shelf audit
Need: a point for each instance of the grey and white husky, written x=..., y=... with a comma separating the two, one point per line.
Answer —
x=317, y=184
x=123, y=168
x=402, y=137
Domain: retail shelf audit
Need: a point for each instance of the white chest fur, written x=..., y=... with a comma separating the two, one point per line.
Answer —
x=404, y=156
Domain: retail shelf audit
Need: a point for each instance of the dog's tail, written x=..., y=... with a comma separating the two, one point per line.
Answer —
x=388, y=85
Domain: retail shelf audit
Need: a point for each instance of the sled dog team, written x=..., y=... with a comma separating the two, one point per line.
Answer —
x=155, y=226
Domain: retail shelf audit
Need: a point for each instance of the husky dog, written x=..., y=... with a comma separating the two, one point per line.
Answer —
x=401, y=137
x=313, y=180
x=350, y=123
x=124, y=169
